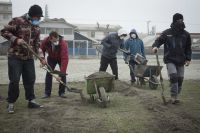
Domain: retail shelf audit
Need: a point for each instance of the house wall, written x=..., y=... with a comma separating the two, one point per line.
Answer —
x=66, y=31
x=98, y=35
x=5, y=11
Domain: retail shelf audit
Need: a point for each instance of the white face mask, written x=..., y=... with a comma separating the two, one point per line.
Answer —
x=55, y=43
x=133, y=36
x=122, y=37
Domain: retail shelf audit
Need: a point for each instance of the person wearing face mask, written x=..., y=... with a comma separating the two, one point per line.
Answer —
x=57, y=50
x=22, y=30
x=111, y=43
x=135, y=46
x=177, y=53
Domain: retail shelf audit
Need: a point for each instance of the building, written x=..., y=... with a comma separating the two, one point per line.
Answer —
x=96, y=31
x=5, y=17
x=5, y=12
x=59, y=25
x=78, y=44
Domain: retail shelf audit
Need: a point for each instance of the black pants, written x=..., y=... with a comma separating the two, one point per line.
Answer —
x=132, y=64
x=16, y=68
x=48, y=79
x=113, y=64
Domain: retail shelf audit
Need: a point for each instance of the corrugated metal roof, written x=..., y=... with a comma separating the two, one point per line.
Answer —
x=81, y=36
x=58, y=20
x=2, y=40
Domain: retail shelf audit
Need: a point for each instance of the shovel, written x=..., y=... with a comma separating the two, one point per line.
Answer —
x=161, y=80
x=75, y=90
x=54, y=73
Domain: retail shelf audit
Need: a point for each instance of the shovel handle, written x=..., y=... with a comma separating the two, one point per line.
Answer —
x=161, y=80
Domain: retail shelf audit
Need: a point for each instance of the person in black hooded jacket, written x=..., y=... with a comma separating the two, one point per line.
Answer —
x=177, y=53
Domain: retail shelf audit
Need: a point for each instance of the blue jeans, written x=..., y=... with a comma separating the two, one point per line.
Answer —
x=48, y=79
x=16, y=68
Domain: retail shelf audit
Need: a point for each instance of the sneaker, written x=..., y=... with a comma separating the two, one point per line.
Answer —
x=174, y=100
x=62, y=95
x=34, y=105
x=45, y=96
x=132, y=82
x=10, y=108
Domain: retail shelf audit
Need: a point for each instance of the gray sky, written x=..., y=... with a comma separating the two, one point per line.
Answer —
x=127, y=13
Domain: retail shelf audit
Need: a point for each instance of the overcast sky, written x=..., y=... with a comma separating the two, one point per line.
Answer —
x=127, y=13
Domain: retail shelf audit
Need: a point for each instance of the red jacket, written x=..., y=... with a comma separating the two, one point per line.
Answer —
x=60, y=54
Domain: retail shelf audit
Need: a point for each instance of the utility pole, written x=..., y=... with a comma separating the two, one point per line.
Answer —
x=148, y=22
x=46, y=16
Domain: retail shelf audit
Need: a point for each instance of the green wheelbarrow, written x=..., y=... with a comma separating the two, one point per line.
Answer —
x=97, y=85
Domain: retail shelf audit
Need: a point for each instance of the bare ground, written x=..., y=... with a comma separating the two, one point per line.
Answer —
x=131, y=109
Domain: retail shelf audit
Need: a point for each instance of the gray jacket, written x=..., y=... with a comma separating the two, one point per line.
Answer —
x=111, y=43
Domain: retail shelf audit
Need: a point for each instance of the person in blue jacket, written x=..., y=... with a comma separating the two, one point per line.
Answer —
x=135, y=45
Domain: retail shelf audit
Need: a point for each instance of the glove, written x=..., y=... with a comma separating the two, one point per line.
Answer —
x=43, y=62
x=155, y=50
x=58, y=78
x=187, y=63
x=128, y=53
x=20, y=41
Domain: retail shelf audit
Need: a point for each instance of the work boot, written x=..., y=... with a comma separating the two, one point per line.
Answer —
x=133, y=82
x=10, y=108
x=45, y=96
x=32, y=104
x=174, y=100
x=62, y=95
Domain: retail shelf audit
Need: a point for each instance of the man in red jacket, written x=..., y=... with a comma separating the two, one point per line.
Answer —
x=57, y=50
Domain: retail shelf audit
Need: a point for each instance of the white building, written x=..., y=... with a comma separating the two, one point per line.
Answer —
x=5, y=12
x=96, y=31
x=5, y=17
x=60, y=25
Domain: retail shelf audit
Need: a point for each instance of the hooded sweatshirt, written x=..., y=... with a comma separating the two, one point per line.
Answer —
x=134, y=45
x=59, y=53
x=111, y=43
x=177, y=45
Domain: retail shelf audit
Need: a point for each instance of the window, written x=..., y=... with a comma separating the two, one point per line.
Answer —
x=6, y=17
x=99, y=35
x=48, y=30
x=59, y=31
x=67, y=31
x=92, y=34
x=5, y=8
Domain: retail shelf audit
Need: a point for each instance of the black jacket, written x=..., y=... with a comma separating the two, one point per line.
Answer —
x=111, y=43
x=177, y=46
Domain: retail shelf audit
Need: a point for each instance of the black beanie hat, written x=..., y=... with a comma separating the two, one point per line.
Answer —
x=35, y=10
x=177, y=16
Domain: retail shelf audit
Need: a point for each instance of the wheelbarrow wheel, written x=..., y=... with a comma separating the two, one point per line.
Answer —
x=153, y=82
x=103, y=97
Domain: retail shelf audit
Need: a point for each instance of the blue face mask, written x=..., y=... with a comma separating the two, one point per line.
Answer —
x=35, y=22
